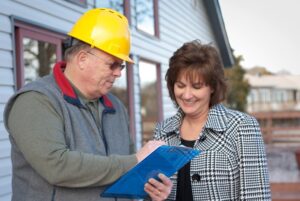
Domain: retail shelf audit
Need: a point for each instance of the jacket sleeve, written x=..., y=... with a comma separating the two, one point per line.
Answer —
x=254, y=176
x=38, y=132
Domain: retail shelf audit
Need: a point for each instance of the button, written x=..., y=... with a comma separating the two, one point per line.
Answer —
x=202, y=138
x=196, y=177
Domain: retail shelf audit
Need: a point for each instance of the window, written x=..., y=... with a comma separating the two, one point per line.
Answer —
x=147, y=16
x=150, y=97
x=123, y=89
x=120, y=88
x=255, y=96
x=250, y=97
x=36, y=50
x=265, y=95
x=39, y=58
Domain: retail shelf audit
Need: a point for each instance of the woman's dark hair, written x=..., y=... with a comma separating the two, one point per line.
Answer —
x=196, y=60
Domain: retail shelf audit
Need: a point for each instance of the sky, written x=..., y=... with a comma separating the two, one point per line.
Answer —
x=265, y=32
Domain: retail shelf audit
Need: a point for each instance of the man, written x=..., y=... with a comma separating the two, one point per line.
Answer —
x=69, y=136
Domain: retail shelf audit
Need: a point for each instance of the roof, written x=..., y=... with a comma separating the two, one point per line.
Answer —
x=274, y=81
x=218, y=26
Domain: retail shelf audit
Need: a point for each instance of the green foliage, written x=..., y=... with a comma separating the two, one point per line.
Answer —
x=238, y=87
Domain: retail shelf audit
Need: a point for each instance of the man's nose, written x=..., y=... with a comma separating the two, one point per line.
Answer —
x=117, y=72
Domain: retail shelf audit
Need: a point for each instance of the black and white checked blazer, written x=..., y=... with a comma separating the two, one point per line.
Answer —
x=232, y=164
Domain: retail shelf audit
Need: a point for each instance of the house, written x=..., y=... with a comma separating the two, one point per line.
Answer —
x=275, y=101
x=32, y=34
x=273, y=93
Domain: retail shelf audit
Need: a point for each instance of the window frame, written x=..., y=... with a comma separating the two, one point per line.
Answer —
x=22, y=30
x=131, y=109
x=156, y=21
x=158, y=89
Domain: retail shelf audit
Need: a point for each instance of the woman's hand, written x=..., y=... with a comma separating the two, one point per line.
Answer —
x=157, y=190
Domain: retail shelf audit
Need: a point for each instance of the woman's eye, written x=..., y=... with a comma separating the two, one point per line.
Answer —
x=180, y=85
x=198, y=86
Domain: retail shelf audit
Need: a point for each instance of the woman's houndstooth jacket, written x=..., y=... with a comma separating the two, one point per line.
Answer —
x=232, y=164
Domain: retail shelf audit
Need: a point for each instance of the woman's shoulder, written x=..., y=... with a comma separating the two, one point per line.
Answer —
x=226, y=114
x=236, y=115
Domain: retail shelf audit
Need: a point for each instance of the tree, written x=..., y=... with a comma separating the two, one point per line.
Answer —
x=258, y=71
x=238, y=87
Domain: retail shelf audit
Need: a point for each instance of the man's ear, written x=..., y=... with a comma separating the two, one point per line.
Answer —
x=81, y=59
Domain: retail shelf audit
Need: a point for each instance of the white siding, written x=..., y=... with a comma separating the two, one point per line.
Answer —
x=6, y=90
x=4, y=149
x=6, y=58
x=5, y=93
x=5, y=185
x=179, y=21
x=3, y=133
x=6, y=76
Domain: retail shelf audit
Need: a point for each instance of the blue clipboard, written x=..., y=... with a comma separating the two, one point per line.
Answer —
x=165, y=159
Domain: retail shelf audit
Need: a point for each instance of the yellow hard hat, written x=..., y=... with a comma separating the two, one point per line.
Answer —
x=105, y=29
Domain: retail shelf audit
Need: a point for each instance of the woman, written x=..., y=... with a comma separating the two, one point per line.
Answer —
x=232, y=164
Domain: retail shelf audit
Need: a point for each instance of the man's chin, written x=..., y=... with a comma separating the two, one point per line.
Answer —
x=106, y=90
x=109, y=88
x=109, y=85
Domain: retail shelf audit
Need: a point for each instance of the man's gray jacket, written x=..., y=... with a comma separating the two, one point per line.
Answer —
x=73, y=160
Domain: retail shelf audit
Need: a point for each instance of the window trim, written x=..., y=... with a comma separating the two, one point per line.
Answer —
x=127, y=12
x=156, y=22
x=23, y=29
x=158, y=86
x=131, y=109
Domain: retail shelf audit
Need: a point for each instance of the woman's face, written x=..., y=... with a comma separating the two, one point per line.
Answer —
x=193, y=96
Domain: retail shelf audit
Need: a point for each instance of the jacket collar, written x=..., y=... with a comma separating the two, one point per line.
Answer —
x=69, y=93
x=216, y=120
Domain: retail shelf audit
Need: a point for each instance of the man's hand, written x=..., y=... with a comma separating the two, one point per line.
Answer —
x=157, y=190
x=147, y=149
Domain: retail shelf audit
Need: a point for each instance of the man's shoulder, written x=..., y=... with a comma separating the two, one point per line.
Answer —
x=40, y=90
x=30, y=96
x=41, y=83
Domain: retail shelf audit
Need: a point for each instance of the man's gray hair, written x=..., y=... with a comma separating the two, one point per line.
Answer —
x=73, y=46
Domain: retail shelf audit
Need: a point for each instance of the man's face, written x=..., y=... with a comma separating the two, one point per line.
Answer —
x=100, y=72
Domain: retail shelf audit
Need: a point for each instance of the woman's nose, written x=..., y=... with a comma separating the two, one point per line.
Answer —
x=187, y=93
